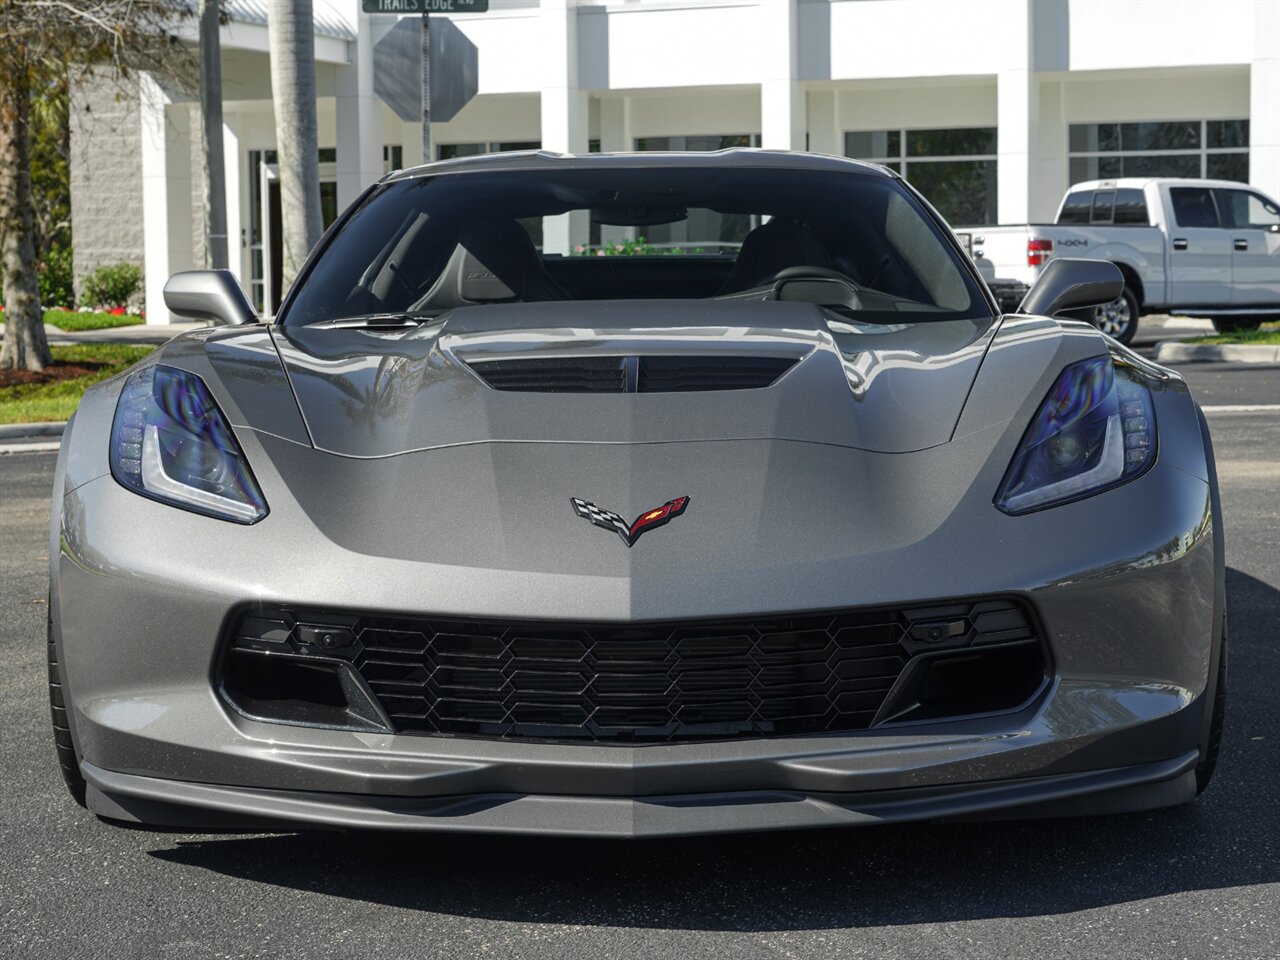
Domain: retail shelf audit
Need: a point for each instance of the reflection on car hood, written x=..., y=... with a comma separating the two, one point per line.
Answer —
x=891, y=388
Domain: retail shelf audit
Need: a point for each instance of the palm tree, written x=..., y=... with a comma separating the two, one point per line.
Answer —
x=293, y=87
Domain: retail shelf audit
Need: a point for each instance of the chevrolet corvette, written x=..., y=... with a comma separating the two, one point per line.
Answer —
x=636, y=495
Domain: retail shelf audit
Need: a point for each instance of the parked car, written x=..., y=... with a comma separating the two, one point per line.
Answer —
x=476, y=538
x=1209, y=248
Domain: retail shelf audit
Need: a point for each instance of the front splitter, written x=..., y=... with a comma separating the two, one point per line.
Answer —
x=196, y=806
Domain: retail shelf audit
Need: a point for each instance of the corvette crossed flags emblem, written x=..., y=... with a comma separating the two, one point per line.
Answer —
x=630, y=533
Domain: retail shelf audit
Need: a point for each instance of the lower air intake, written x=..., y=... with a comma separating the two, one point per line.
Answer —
x=656, y=682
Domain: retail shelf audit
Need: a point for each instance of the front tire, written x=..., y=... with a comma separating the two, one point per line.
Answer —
x=68, y=763
x=1117, y=319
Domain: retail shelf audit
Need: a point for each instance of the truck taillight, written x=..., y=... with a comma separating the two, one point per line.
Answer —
x=1038, y=251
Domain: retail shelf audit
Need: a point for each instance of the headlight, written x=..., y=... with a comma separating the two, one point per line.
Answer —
x=1095, y=430
x=170, y=442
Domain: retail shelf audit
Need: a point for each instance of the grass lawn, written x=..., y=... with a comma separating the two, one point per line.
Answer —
x=70, y=321
x=1267, y=335
x=54, y=393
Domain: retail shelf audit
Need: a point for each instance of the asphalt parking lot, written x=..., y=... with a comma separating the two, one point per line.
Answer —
x=1197, y=881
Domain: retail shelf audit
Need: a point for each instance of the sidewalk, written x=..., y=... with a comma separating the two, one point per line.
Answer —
x=142, y=333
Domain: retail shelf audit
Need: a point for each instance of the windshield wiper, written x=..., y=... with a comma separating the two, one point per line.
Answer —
x=370, y=321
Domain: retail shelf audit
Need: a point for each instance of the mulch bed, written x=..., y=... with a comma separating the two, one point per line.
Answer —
x=50, y=374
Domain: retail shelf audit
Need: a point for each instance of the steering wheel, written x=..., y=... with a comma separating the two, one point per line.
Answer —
x=809, y=272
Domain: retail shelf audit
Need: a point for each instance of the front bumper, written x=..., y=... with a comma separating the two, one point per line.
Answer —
x=1128, y=599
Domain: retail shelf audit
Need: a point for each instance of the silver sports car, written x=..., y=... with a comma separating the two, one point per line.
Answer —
x=636, y=495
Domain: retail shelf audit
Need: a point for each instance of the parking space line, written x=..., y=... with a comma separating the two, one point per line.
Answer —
x=45, y=446
x=1242, y=408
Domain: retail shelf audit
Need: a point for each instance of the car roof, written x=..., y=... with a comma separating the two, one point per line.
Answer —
x=735, y=158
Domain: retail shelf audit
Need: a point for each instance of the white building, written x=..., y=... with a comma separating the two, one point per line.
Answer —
x=991, y=107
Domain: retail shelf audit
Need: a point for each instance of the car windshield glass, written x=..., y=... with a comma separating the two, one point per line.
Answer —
x=421, y=246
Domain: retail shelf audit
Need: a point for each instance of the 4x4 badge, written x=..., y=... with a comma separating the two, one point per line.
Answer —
x=645, y=522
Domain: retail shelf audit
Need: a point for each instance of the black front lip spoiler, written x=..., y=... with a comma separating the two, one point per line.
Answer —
x=199, y=806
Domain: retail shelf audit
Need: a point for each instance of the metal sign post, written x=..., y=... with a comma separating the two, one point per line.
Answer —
x=426, y=88
x=426, y=8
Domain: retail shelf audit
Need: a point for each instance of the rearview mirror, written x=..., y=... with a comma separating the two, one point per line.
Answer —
x=211, y=295
x=1067, y=284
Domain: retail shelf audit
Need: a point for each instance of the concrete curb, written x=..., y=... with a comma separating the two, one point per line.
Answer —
x=21, y=431
x=1173, y=351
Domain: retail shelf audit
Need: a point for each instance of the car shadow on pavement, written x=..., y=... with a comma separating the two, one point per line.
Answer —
x=826, y=879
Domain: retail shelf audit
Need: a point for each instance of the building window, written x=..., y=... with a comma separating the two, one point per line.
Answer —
x=713, y=142
x=392, y=158
x=954, y=168
x=1182, y=148
x=452, y=151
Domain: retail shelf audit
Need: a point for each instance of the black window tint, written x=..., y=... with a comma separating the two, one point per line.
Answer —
x=1103, y=204
x=1131, y=207
x=1229, y=166
x=870, y=144
x=963, y=191
x=418, y=244
x=1228, y=133
x=1180, y=135
x=1094, y=137
x=451, y=151
x=1094, y=168
x=1193, y=207
x=1075, y=209
x=973, y=141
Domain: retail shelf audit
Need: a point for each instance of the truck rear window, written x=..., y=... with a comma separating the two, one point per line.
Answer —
x=1075, y=209
x=1127, y=207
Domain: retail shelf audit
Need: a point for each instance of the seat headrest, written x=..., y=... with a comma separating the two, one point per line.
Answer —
x=494, y=261
x=772, y=247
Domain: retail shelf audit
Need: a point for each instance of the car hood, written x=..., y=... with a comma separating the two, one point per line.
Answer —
x=879, y=387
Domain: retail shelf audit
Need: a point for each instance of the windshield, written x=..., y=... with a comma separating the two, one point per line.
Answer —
x=421, y=246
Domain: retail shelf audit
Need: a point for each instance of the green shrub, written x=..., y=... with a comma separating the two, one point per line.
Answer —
x=111, y=286
x=57, y=288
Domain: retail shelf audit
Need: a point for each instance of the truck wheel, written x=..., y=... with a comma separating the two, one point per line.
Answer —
x=1236, y=324
x=1117, y=319
x=68, y=763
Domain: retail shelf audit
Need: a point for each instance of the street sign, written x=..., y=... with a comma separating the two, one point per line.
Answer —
x=425, y=6
x=397, y=70
x=461, y=89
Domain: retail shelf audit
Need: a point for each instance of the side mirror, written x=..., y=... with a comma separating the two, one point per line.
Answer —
x=1067, y=284
x=212, y=295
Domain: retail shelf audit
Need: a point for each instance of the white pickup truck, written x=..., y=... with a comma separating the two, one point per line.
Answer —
x=1208, y=248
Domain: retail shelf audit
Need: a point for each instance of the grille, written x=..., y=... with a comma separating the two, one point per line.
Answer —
x=638, y=682
x=660, y=374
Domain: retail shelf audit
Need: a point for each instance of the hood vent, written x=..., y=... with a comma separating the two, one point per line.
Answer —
x=658, y=374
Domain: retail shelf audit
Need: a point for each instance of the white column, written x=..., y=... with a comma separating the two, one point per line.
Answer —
x=616, y=137
x=1017, y=111
x=564, y=113
x=1049, y=173
x=782, y=96
x=821, y=114
x=359, y=119
x=235, y=193
x=1264, y=103
x=166, y=193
